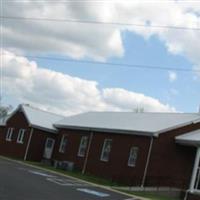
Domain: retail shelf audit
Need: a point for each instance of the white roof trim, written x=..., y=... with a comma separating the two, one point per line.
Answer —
x=174, y=127
x=192, y=138
x=138, y=133
x=15, y=111
x=43, y=128
x=21, y=107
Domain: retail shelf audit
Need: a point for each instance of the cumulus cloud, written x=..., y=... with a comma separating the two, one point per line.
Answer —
x=27, y=82
x=101, y=42
x=129, y=101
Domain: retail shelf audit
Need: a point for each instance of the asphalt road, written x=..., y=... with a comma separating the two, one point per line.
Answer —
x=21, y=182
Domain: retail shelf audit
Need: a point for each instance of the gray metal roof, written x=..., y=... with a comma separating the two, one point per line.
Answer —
x=191, y=138
x=136, y=123
x=38, y=118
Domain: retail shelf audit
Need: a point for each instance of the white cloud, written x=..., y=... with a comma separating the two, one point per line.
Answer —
x=172, y=76
x=101, y=41
x=25, y=81
x=128, y=100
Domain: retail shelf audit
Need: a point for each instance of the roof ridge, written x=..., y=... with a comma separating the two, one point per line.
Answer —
x=39, y=109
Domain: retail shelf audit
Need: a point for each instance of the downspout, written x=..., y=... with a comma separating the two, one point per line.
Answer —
x=28, y=144
x=87, y=153
x=147, y=162
x=194, y=172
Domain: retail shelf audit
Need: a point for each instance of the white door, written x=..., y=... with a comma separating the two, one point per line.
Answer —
x=48, y=150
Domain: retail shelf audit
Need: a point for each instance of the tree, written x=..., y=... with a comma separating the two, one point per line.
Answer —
x=4, y=110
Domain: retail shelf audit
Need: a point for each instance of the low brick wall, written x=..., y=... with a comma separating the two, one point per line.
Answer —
x=193, y=197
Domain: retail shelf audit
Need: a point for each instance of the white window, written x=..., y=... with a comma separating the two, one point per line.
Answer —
x=20, y=138
x=63, y=144
x=9, y=134
x=133, y=156
x=106, y=150
x=83, y=146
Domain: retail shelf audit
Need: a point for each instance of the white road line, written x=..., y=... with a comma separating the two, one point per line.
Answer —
x=65, y=182
x=22, y=168
x=59, y=181
x=40, y=173
x=93, y=192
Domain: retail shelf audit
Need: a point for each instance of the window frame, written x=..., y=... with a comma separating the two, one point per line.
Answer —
x=104, y=148
x=61, y=144
x=133, y=155
x=9, y=134
x=82, y=145
x=20, y=137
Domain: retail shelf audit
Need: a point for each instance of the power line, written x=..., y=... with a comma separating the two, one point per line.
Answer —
x=148, y=25
x=138, y=66
x=100, y=1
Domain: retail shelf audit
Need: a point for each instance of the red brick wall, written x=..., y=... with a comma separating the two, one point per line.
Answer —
x=116, y=168
x=74, y=138
x=37, y=145
x=171, y=164
x=2, y=130
x=12, y=148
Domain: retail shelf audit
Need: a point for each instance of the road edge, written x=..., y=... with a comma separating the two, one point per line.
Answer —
x=74, y=178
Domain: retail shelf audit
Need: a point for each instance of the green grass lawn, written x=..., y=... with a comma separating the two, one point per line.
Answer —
x=151, y=195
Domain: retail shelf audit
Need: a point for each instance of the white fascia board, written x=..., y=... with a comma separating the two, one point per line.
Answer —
x=26, y=115
x=173, y=128
x=12, y=114
x=197, y=121
x=43, y=128
x=127, y=132
x=188, y=142
x=20, y=107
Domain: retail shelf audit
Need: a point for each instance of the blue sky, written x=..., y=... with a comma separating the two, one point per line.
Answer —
x=182, y=93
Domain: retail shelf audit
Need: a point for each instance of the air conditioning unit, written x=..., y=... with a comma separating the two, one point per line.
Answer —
x=64, y=165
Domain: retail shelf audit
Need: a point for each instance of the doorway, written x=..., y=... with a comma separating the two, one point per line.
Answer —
x=48, y=150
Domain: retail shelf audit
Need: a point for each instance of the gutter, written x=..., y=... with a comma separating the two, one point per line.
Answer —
x=147, y=162
x=177, y=126
x=106, y=130
x=44, y=129
x=87, y=154
x=28, y=144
